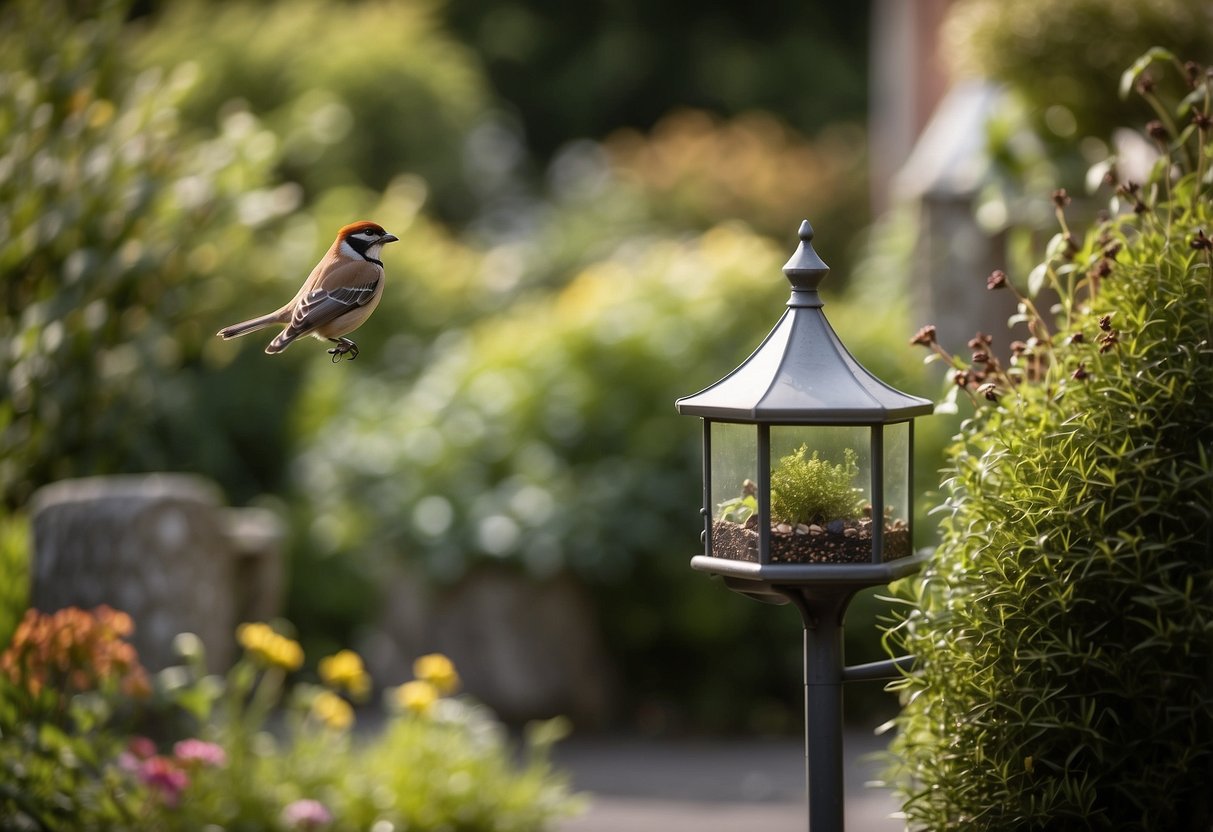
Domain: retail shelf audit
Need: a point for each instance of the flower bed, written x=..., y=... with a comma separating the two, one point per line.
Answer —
x=89, y=741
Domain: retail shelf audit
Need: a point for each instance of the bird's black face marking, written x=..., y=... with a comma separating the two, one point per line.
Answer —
x=366, y=241
x=361, y=241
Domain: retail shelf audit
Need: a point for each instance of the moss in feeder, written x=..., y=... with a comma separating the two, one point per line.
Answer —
x=808, y=489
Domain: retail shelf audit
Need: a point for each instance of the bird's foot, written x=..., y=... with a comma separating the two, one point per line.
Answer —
x=344, y=347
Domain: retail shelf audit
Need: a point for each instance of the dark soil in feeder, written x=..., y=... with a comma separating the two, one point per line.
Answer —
x=839, y=541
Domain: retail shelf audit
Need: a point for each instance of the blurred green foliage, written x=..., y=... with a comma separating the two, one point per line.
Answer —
x=1046, y=53
x=361, y=92
x=584, y=69
x=434, y=762
x=1056, y=117
x=694, y=170
x=521, y=441
x=60, y=780
x=114, y=226
x=65, y=680
x=14, y=566
x=165, y=175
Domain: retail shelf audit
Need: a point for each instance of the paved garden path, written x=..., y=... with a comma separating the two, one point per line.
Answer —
x=713, y=786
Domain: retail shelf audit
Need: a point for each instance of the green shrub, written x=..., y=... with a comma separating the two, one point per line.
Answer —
x=1045, y=53
x=1063, y=626
x=583, y=71
x=14, y=567
x=1054, y=113
x=693, y=170
x=808, y=489
x=61, y=781
x=689, y=173
x=116, y=228
x=63, y=679
x=358, y=93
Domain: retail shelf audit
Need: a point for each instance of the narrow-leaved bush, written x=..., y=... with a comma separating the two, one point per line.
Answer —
x=1064, y=626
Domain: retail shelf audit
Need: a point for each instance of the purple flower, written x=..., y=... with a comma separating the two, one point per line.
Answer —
x=306, y=814
x=200, y=752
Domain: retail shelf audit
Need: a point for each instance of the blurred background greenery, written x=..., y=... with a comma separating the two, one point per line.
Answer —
x=594, y=203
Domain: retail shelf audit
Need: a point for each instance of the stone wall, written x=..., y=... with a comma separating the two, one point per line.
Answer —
x=161, y=548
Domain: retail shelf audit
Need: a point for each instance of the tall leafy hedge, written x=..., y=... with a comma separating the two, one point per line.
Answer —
x=1064, y=626
x=359, y=92
x=116, y=225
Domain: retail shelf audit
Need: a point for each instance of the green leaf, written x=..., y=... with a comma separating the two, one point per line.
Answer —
x=948, y=407
x=1201, y=93
x=1097, y=172
x=1036, y=279
x=544, y=734
x=1055, y=247
x=1139, y=66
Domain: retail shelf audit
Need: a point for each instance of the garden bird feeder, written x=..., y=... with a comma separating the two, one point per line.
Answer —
x=807, y=473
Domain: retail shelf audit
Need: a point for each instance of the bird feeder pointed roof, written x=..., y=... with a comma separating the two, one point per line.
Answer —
x=801, y=373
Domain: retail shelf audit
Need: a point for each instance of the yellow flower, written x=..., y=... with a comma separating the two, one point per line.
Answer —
x=253, y=636
x=263, y=644
x=287, y=654
x=438, y=670
x=417, y=696
x=332, y=710
x=344, y=671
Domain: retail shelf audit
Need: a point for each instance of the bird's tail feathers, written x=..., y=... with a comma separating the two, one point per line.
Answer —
x=245, y=327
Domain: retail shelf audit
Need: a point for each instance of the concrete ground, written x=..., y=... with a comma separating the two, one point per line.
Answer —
x=637, y=785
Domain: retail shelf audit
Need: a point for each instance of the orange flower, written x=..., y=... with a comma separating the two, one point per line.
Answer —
x=73, y=650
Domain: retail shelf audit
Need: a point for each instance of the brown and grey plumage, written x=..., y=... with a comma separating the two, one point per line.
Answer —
x=340, y=293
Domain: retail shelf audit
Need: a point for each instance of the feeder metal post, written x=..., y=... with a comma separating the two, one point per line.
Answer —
x=822, y=615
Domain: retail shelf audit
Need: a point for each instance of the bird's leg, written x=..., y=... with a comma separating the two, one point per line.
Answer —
x=344, y=346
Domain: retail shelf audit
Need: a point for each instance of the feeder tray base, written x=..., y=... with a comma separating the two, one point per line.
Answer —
x=840, y=541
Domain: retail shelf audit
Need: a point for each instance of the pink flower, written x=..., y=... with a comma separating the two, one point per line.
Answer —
x=163, y=775
x=137, y=750
x=306, y=814
x=200, y=752
x=141, y=747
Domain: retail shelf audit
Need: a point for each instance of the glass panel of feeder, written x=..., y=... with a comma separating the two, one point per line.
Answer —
x=734, y=498
x=821, y=481
x=897, y=542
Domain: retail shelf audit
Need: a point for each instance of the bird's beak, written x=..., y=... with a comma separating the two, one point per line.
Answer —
x=389, y=238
